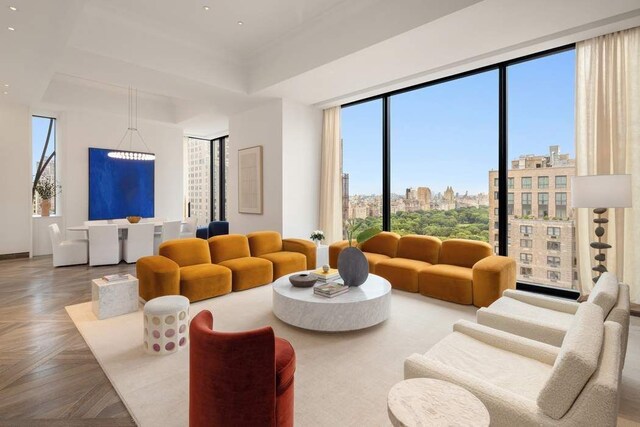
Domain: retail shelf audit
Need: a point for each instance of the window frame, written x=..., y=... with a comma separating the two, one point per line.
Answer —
x=222, y=190
x=502, y=147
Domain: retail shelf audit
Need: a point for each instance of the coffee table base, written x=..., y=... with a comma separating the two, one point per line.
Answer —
x=357, y=309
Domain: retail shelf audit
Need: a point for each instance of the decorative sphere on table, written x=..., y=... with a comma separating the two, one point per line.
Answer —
x=353, y=266
x=325, y=268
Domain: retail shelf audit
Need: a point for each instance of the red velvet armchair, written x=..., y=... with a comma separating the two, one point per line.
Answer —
x=239, y=379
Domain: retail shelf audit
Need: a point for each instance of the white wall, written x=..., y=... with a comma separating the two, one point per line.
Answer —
x=258, y=126
x=290, y=135
x=80, y=130
x=301, y=142
x=15, y=179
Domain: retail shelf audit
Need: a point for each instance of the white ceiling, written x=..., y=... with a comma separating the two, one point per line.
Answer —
x=194, y=68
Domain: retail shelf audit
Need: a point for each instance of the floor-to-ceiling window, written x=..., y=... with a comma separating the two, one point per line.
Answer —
x=44, y=180
x=362, y=162
x=541, y=160
x=440, y=158
x=443, y=146
x=206, y=182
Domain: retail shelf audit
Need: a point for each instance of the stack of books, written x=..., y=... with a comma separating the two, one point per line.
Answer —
x=331, y=289
x=327, y=277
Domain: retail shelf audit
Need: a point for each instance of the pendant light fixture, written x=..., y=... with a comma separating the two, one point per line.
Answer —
x=131, y=130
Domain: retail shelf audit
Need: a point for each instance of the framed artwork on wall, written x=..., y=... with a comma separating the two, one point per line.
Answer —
x=250, y=180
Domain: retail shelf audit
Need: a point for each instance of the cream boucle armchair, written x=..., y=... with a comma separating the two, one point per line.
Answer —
x=547, y=319
x=524, y=382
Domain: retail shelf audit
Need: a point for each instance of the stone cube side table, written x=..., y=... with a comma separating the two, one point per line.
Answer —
x=110, y=299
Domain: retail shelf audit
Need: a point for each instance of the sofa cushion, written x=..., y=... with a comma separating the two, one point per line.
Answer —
x=157, y=276
x=185, y=252
x=286, y=262
x=228, y=247
x=519, y=374
x=421, y=248
x=447, y=282
x=264, y=242
x=576, y=362
x=508, y=306
x=249, y=272
x=402, y=273
x=385, y=243
x=605, y=292
x=373, y=259
x=198, y=282
x=463, y=252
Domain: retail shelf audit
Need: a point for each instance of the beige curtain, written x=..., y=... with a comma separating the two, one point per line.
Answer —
x=608, y=142
x=330, y=177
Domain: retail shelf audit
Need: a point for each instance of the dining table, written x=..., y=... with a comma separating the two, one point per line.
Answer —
x=121, y=227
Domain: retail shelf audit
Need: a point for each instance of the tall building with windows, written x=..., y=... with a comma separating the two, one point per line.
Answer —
x=541, y=226
x=199, y=184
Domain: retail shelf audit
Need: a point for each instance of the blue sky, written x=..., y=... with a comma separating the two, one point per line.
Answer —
x=39, y=129
x=447, y=134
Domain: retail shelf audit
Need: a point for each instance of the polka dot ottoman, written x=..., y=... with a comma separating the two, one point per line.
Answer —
x=166, y=324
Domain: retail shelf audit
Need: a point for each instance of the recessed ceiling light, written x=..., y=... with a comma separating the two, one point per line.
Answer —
x=6, y=93
x=11, y=29
x=240, y=23
x=206, y=7
x=13, y=8
x=6, y=85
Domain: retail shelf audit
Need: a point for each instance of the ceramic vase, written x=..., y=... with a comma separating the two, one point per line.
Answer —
x=353, y=266
x=45, y=206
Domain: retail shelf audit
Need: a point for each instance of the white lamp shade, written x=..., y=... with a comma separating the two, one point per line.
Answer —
x=601, y=191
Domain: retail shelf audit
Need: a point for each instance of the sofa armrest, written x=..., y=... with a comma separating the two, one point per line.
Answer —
x=157, y=276
x=543, y=301
x=535, y=329
x=526, y=347
x=505, y=407
x=335, y=249
x=305, y=247
x=491, y=276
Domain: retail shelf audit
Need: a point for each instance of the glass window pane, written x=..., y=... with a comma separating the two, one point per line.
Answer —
x=444, y=159
x=198, y=163
x=541, y=146
x=362, y=162
x=44, y=159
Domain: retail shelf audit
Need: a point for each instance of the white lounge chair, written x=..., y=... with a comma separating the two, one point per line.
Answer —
x=524, y=382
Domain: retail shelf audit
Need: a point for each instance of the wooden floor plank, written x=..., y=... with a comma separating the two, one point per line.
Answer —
x=48, y=375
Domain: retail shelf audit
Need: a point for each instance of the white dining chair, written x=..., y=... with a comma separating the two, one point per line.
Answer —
x=139, y=242
x=170, y=231
x=67, y=252
x=104, y=245
x=189, y=228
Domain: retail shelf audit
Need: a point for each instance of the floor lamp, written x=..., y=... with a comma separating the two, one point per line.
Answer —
x=600, y=192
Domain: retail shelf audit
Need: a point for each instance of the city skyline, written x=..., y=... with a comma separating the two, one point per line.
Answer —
x=428, y=144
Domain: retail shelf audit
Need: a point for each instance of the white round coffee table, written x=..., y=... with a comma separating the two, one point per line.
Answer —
x=430, y=402
x=363, y=306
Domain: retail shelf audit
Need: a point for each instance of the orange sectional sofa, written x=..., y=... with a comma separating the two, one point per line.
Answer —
x=199, y=269
x=456, y=270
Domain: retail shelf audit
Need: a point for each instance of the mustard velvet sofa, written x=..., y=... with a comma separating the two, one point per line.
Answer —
x=456, y=270
x=286, y=255
x=183, y=267
x=232, y=251
x=200, y=269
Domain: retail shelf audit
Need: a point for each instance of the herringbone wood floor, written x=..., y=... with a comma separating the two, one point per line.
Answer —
x=48, y=375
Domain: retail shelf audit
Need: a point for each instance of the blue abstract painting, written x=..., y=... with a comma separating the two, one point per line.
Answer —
x=119, y=187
